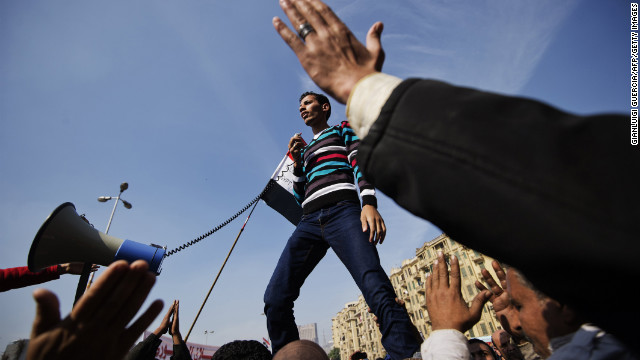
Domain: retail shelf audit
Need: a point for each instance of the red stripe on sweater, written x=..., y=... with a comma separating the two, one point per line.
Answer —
x=332, y=156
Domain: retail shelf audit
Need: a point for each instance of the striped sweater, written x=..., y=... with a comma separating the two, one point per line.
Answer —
x=329, y=171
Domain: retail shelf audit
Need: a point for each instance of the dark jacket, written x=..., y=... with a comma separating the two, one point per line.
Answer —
x=553, y=194
x=146, y=350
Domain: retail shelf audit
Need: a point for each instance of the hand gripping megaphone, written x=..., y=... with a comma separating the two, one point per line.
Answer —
x=66, y=237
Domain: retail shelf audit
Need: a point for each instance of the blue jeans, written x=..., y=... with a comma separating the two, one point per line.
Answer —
x=338, y=227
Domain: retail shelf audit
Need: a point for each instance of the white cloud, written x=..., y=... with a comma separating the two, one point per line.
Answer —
x=494, y=45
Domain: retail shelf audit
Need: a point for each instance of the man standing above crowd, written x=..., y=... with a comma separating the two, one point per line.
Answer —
x=326, y=171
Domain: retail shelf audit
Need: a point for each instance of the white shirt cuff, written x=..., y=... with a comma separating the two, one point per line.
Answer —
x=446, y=344
x=367, y=99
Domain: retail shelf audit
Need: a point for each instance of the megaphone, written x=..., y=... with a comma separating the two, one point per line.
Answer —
x=66, y=237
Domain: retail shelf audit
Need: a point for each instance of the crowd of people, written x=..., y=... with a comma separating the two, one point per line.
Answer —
x=546, y=187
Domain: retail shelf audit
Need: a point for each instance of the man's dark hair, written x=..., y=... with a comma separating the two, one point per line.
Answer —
x=321, y=99
x=242, y=350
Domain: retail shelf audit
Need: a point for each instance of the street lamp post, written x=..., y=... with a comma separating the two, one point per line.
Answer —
x=124, y=186
x=206, y=336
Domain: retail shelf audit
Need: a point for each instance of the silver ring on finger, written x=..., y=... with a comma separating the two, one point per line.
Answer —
x=304, y=30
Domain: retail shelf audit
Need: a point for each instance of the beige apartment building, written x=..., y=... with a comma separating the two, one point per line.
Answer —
x=354, y=328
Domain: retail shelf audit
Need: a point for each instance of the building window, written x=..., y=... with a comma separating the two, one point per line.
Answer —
x=464, y=272
x=470, y=290
x=484, y=329
x=471, y=334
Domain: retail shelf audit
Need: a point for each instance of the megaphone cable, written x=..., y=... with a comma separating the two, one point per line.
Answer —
x=212, y=231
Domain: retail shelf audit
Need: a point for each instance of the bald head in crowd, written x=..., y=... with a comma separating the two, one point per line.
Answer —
x=502, y=341
x=301, y=350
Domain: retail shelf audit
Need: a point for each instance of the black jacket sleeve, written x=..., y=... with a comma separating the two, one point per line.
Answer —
x=553, y=194
x=145, y=350
x=181, y=352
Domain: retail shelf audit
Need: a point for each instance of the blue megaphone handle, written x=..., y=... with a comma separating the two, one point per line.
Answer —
x=132, y=251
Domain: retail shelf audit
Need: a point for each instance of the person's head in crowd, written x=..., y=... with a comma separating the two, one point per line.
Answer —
x=541, y=317
x=301, y=350
x=358, y=355
x=480, y=350
x=502, y=341
x=242, y=350
x=508, y=318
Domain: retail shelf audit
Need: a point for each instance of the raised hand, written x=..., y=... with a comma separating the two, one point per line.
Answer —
x=97, y=324
x=445, y=304
x=505, y=311
x=166, y=321
x=175, y=324
x=331, y=55
x=75, y=268
x=499, y=297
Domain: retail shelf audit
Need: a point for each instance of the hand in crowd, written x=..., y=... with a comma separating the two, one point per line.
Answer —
x=75, y=268
x=175, y=323
x=96, y=327
x=372, y=220
x=501, y=301
x=445, y=304
x=165, y=325
x=331, y=55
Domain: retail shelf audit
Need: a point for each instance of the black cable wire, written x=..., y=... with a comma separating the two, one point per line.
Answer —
x=212, y=231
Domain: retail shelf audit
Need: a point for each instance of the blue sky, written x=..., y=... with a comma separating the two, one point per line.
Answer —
x=193, y=102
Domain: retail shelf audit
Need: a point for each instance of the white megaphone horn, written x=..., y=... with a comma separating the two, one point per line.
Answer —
x=66, y=237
